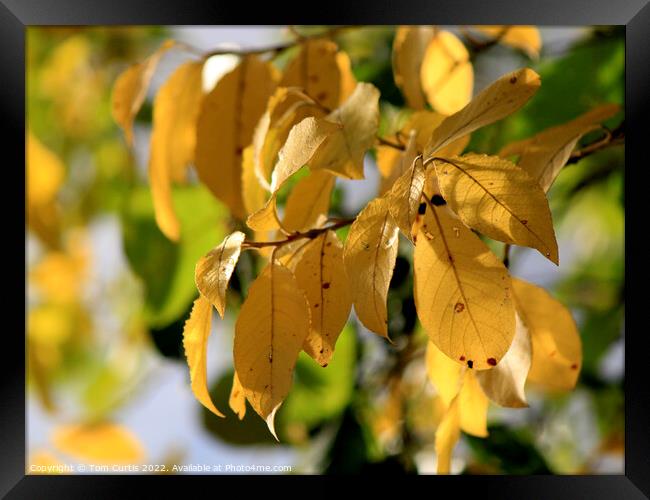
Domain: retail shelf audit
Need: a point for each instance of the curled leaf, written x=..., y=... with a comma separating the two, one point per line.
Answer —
x=213, y=271
x=237, y=399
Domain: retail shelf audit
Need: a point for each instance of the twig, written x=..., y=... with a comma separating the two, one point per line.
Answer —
x=311, y=234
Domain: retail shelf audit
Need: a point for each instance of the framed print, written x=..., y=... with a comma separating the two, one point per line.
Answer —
x=389, y=242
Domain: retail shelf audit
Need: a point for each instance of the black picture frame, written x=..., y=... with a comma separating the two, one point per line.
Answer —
x=17, y=15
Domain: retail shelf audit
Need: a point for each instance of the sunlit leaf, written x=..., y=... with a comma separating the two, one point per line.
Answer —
x=409, y=46
x=369, y=256
x=195, y=342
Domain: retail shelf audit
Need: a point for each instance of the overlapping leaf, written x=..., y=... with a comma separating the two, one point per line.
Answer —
x=409, y=47
x=498, y=199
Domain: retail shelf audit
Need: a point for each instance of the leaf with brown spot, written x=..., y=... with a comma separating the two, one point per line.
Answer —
x=228, y=117
x=503, y=97
x=504, y=384
x=498, y=199
x=322, y=71
x=453, y=268
x=131, y=87
x=173, y=140
x=555, y=340
x=446, y=73
x=369, y=255
x=269, y=334
x=213, y=270
x=321, y=275
x=195, y=342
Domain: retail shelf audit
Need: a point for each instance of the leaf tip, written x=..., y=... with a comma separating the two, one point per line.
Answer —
x=270, y=421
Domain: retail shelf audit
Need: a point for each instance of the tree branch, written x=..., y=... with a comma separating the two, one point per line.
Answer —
x=311, y=234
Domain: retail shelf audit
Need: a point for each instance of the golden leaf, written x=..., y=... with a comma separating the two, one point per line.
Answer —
x=498, y=199
x=544, y=154
x=286, y=108
x=237, y=400
x=45, y=173
x=357, y=120
x=302, y=144
x=409, y=46
x=309, y=201
x=462, y=292
x=269, y=334
x=173, y=140
x=556, y=344
x=504, y=384
x=447, y=435
x=100, y=443
x=404, y=197
x=195, y=342
x=446, y=73
x=321, y=275
x=473, y=406
x=322, y=71
x=213, y=270
x=131, y=87
x=225, y=127
x=253, y=192
x=369, y=256
x=444, y=373
x=503, y=97
x=525, y=38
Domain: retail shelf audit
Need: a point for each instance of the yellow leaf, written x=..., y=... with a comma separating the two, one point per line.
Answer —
x=286, y=108
x=369, y=256
x=45, y=173
x=195, y=342
x=525, y=38
x=424, y=123
x=227, y=119
x=308, y=203
x=393, y=163
x=556, y=344
x=131, y=87
x=213, y=270
x=503, y=97
x=269, y=334
x=237, y=400
x=498, y=199
x=253, y=192
x=544, y=154
x=504, y=384
x=404, y=197
x=101, y=443
x=462, y=292
x=302, y=143
x=444, y=373
x=357, y=120
x=472, y=406
x=173, y=140
x=321, y=275
x=447, y=435
x=321, y=71
x=409, y=46
x=446, y=73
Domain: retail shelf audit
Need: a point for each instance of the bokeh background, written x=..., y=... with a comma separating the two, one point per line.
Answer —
x=108, y=294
